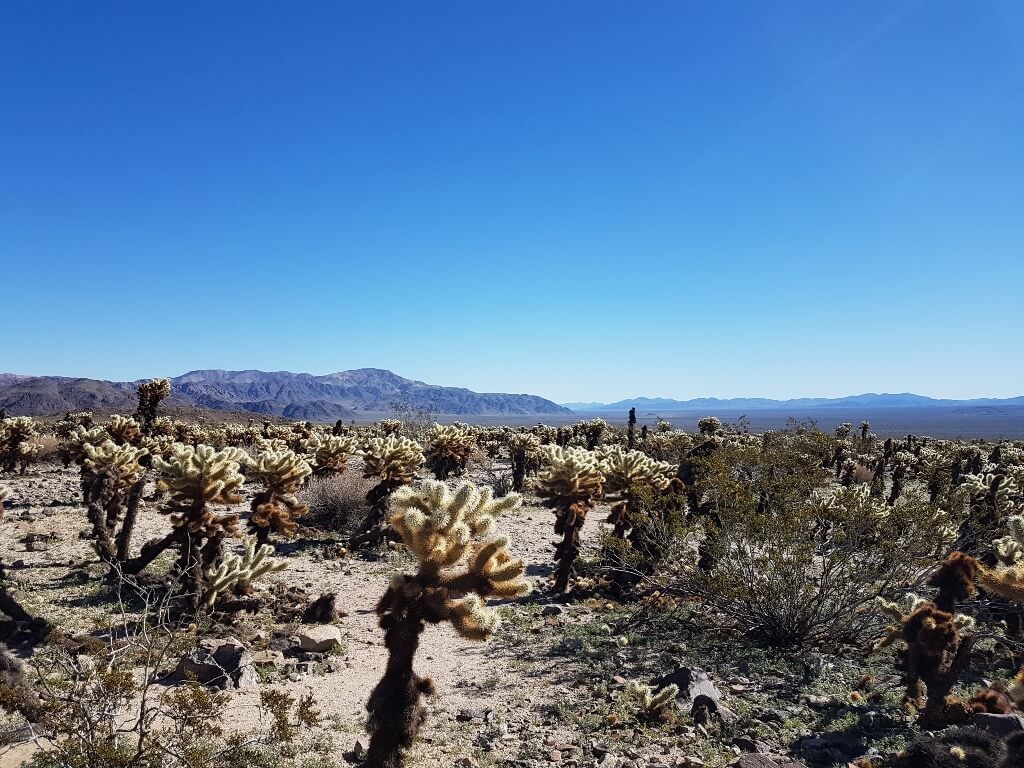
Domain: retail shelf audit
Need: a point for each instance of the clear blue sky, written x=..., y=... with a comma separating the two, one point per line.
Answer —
x=580, y=199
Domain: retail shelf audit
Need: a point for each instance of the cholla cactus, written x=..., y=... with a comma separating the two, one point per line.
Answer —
x=390, y=426
x=27, y=454
x=571, y=484
x=524, y=450
x=151, y=393
x=275, y=508
x=331, y=453
x=1007, y=579
x=72, y=447
x=14, y=433
x=997, y=489
x=5, y=494
x=112, y=479
x=449, y=450
x=590, y=432
x=626, y=472
x=438, y=526
x=709, y=425
x=653, y=703
x=935, y=649
x=196, y=478
x=394, y=460
x=124, y=430
x=239, y=571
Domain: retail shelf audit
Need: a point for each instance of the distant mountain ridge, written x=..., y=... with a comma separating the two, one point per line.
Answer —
x=300, y=396
x=867, y=400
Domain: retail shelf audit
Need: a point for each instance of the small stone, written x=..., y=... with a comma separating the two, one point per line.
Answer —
x=552, y=610
x=554, y=756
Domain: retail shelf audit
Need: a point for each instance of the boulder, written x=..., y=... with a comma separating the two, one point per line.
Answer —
x=319, y=638
x=998, y=725
x=219, y=663
x=697, y=690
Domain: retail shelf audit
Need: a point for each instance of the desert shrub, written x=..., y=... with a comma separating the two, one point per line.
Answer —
x=790, y=557
x=334, y=501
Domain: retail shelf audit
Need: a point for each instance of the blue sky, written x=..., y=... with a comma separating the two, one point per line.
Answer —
x=583, y=200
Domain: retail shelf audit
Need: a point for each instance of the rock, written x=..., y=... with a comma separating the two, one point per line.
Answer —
x=569, y=646
x=554, y=756
x=552, y=610
x=762, y=761
x=221, y=663
x=357, y=753
x=268, y=659
x=747, y=744
x=998, y=725
x=818, y=702
x=610, y=761
x=696, y=688
x=319, y=638
x=472, y=713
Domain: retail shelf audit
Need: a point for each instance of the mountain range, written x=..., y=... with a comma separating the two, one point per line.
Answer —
x=711, y=404
x=360, y=394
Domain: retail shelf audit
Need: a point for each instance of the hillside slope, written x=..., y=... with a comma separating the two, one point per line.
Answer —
x=301, y=396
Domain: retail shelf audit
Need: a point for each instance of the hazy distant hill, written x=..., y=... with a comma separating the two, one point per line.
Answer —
x=301, y=396
x=869, y=400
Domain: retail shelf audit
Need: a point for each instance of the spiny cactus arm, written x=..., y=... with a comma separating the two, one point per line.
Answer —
x=1010, y=548
x=1008, y=583
x=233, y=569
x=472, y=619
x=663, y=697
x=202, y=473
x=492, y=572
x=5, y=494
x=437, y=524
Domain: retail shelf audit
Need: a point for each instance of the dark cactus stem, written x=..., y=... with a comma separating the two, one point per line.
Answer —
x=190, y=569
x=568, y=524
x=212, y=552
x=396, y=714
x=631, y=430
x=124, y=536
x=374, y=525
x=151, y=552
x=518, y=470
